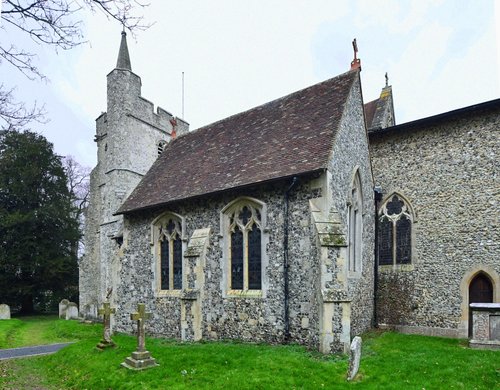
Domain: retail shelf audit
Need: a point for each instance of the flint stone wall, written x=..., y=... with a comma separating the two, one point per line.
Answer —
x=229, y=317
x=448, y=171
x=251, y=319
x=351, y=153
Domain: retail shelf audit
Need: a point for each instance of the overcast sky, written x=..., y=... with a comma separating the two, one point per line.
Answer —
x=237, y=54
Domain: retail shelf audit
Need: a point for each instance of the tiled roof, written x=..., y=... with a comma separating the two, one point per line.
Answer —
x=370, y=108
x=289, y=136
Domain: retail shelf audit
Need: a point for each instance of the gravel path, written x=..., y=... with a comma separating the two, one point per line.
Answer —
x=31, y=351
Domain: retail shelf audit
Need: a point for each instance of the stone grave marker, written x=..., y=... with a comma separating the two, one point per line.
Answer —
x=63, y=307
x=140, y=359
x=354, y=358
x=106, y=312
x=4, y=312
x=72, y=311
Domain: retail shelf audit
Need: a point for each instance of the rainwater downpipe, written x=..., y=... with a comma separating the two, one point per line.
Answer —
x=377, y=192
x=286, y=264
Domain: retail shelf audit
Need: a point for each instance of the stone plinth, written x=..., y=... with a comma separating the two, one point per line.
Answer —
x=485, y=325
x=140, y=360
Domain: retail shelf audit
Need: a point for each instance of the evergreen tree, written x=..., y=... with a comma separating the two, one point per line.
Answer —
x=37, y=224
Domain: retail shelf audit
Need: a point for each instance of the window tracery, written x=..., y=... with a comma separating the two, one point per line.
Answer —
x=170, y=248
x=245, y=231
x=395, y=232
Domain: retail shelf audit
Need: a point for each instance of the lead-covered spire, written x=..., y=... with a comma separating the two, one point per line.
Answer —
x=123, y=61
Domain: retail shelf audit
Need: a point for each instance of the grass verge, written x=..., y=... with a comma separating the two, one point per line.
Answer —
x=390, y=361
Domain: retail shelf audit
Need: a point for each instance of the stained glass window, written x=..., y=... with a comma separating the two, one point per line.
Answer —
x=165, y=269
x=254, y=259
x=170, y=232
x=403, y=240
x=385, y=242
x=245, y=241
x=394, y=232
x=177, y=260
x=237, y=259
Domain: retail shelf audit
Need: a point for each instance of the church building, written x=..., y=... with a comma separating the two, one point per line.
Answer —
x=309, y=219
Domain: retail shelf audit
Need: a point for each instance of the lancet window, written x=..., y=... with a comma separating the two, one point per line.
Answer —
x=355, y=225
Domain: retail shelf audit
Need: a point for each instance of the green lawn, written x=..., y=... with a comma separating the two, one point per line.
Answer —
x=390, y=361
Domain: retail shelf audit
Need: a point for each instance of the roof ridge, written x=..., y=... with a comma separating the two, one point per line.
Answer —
x=299, y=91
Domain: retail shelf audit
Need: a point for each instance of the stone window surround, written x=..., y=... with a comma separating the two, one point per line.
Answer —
x=413, y=218
x=356, y=250
x=225, y=243
x=156, y=253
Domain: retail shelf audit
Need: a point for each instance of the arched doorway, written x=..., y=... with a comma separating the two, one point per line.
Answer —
x=480, y=291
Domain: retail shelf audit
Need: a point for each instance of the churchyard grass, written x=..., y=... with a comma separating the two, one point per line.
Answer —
x=41, y=330
x=390, y=361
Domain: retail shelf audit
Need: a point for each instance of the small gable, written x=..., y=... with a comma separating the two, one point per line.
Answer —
x=379, y=113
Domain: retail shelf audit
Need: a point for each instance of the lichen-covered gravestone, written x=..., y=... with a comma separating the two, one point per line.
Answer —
x=72, y=311
x=4, y=312
x=140, y=359
x=354, y=358
x=106, y=312
x=63, y=307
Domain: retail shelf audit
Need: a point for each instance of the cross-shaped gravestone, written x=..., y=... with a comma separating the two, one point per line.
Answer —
x=140, y=316
x=140, y=359
x=106, y=312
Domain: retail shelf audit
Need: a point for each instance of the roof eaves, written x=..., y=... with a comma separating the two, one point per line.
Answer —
x=264, y=182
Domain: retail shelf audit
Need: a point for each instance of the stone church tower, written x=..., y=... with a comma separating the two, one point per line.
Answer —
x=129, y=137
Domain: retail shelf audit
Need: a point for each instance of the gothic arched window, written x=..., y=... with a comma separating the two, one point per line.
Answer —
x=244, y=230
x=355, y=225
x=169, y=252
x=395, y=232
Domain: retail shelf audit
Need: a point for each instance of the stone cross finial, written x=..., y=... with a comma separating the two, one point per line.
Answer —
x=356, y=62
x=106, y=312
x=386, y=80
x=140, y=359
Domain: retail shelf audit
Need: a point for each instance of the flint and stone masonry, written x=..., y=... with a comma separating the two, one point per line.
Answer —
x=447, y=168
x=305, y=162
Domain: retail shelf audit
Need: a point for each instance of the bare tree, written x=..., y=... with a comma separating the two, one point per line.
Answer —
x=53, y=23
x=79, y=189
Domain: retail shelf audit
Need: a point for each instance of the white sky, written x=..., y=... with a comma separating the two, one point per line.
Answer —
x=237, y=54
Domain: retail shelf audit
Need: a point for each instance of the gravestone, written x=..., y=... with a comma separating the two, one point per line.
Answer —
x=140, y=359
x=4, y=312
x=72, y=311
x=106, y=312
x=63, y=307
x=354, y=358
